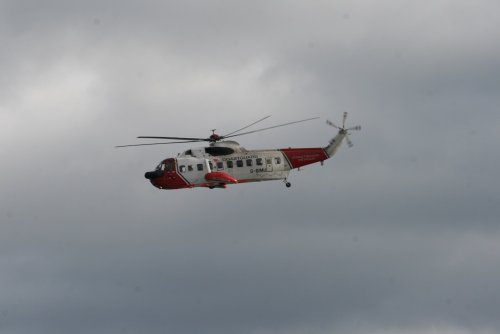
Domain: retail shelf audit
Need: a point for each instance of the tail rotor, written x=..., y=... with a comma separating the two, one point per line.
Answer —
x=348, y=140
x=345, y=130
x=332, y=124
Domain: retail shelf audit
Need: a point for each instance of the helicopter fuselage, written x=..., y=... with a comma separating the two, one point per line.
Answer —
x=226, y=162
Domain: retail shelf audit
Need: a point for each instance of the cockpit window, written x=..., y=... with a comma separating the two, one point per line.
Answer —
x=169, y=166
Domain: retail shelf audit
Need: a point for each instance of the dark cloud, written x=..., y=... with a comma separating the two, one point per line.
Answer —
x=397, y=235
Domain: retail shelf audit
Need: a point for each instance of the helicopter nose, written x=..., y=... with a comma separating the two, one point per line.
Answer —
x=153, y=175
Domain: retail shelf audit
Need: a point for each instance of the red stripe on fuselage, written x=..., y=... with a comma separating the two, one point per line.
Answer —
x=170, y=181
x=298, y=157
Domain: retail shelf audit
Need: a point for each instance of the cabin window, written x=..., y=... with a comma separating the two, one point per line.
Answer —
x=220, y=165
x=182, y=169
x=249, y=162
x=230, y=164
x=239, y=163
x=190, y=168
x=199, y=166
x=211, y=165
x=258, y=161
x=269, y=161
x=277, y=160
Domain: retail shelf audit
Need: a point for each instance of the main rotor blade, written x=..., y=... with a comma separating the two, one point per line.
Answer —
x=171, y=142
x=343, y=121
x=271, y=127
x=180, y=138
x=356, y=128
x=246, y=127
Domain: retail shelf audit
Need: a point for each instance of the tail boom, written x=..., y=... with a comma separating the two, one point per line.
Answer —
x=298, y=157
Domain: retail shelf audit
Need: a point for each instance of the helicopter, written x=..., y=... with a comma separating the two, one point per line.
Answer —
x=225, y=162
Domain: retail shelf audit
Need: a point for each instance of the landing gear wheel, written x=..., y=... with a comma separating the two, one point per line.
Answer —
x=288, y=184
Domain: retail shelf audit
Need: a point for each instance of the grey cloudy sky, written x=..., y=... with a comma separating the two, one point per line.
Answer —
x=397, y=235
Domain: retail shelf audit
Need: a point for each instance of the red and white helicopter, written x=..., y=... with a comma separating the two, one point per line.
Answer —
x=225, y=162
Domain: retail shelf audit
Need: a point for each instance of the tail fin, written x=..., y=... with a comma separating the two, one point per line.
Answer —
x=335, y=143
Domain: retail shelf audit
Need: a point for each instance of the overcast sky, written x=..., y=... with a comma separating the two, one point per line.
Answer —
x=399, y=234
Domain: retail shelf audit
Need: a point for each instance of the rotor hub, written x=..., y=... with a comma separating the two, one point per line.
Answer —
x=214, y=137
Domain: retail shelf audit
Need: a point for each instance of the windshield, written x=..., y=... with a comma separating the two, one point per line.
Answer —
x=167, y=165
